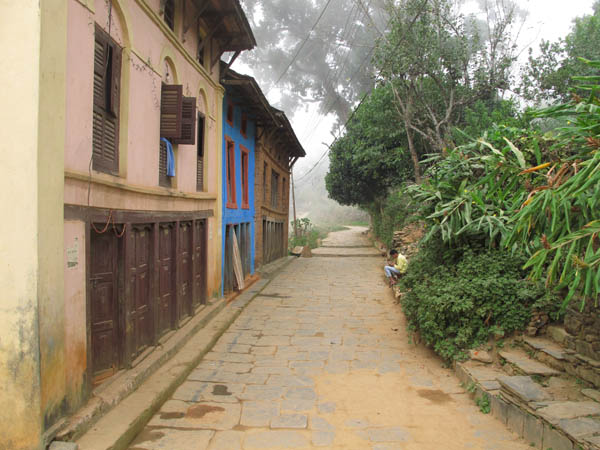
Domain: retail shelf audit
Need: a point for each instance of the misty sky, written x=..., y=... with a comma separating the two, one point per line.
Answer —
x=548, y=19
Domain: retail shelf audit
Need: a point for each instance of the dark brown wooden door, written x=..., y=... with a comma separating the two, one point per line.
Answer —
x=228, y=261
x=141, y=331
x=166, y=282
x=104, y=305
x=199, y=262
x=185, y=268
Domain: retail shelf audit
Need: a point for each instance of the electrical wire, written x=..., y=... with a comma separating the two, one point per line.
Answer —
x=303, y=176
x=311, y=129
x=314, y=118
x=300, y=47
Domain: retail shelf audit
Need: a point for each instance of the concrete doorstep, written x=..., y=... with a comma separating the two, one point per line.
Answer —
x=121, y=409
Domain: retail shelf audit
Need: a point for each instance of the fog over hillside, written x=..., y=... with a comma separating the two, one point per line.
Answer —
x=313, y=202
x=313, y=60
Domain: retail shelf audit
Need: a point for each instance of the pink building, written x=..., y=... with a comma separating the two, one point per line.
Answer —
x=142, y=233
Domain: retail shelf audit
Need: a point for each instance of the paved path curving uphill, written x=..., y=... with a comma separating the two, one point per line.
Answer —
x=322, y=359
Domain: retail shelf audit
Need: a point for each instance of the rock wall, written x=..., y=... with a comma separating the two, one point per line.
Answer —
x=584, y=328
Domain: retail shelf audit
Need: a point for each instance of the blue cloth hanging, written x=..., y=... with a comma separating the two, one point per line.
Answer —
x=170, y=158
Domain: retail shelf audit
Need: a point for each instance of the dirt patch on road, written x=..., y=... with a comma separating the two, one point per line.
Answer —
x=373, y=408
x=434, y=395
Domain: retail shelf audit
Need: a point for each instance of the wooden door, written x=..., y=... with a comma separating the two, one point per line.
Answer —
x=248, y=237
x=228, y=260
x=241, y=236
x=140, y=333
x=185, y=269
x=166, y=281
x=102, y=284
x=199, y=262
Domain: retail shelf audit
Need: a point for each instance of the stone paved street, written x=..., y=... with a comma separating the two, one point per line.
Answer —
x=322, y=359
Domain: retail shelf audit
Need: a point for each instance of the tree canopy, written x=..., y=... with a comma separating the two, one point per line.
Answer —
x=548, y=77
x=440, y=61
x=372, y=156
x=315, y=50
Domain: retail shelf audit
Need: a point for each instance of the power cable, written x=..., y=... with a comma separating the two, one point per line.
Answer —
x=303, y=176
x=301, y=46
x=330, y=105
x=334, y=141
x=313, y=120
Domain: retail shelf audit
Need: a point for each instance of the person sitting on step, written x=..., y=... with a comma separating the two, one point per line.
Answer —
x=398, y=266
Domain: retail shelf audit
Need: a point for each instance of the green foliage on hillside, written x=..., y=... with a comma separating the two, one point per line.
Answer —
x=510, y=200
x=395, y=212
x=457, y=298
x=549, y=76
x=520, y=189
x=371, y=157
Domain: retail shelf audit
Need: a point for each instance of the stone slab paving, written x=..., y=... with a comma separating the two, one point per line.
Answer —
x=527, y=365
x=524, y=388
x=322, y=359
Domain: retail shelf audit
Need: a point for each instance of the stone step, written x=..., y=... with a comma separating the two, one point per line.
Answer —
x=526, y=365
x=559, y=335
x=548, y=351
x=524, y=388
x=546, y=346
x=528, y=409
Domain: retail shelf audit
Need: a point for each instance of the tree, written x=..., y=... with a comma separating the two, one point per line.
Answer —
x=438, y=62
x=315, y=51
x=548, y=77
x=371, y=157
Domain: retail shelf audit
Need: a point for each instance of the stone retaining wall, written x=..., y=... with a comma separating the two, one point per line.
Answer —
x=584, y=328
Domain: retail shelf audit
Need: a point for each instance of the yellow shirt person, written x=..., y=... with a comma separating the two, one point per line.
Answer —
x=400, y=266
x=401, y=263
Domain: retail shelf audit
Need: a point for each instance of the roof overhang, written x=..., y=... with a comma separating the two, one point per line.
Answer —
x=234, y=32
x=246, y=88
x=288, y=135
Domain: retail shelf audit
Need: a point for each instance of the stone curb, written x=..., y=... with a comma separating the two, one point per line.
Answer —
x=535, y=430
x=169, y=376
x=109, y=396
x=273, y=268
x=335, y=255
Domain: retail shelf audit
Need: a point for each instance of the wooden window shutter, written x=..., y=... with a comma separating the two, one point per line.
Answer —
x=171, y=101
x=188, y=122
x=100, y=50
x=105, y=124
x=200, y=160
x=115, y=82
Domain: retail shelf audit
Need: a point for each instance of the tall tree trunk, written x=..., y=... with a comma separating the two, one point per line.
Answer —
x=413, y=152
x=405, y=112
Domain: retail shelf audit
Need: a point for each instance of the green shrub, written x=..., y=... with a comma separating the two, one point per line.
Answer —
x=458, y=297
x=395, y=212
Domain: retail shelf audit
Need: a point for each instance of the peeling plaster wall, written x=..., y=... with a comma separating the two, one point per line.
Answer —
x=75, y=312
x=51, y=144
x=20, y=395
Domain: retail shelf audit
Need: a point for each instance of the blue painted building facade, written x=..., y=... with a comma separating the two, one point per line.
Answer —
x=238, y=220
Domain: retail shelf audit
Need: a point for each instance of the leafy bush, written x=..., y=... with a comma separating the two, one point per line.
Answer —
x=472, y=192
x=396, y=211
x=527, y=191
x=559, y=223
x=457, y=298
